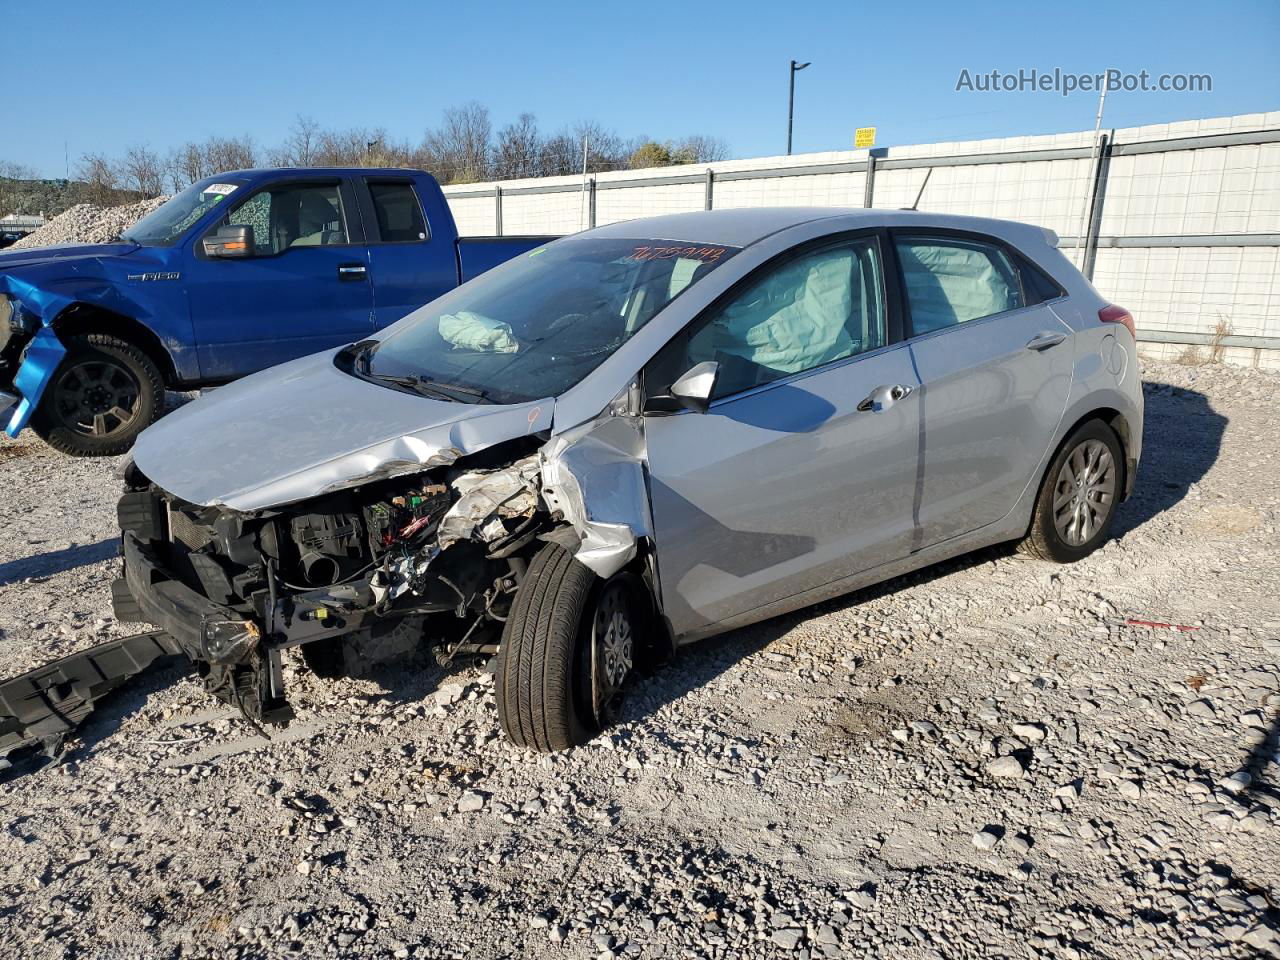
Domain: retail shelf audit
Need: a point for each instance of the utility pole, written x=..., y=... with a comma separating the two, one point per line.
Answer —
x=791, y=100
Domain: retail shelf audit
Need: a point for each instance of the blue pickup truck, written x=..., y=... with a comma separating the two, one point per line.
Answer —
x=236, y=273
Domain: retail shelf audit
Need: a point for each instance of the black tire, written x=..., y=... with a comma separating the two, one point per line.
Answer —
x=105, y=392
x=544, y=669
x=1046, y=539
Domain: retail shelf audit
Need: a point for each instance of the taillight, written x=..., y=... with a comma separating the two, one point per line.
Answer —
x=1113, y=314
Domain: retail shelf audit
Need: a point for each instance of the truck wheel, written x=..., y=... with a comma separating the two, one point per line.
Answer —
x=1078, y=496
x=567, y=649
x=105, y=392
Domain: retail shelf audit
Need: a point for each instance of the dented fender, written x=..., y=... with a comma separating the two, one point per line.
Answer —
x=43, y=353
x=594, y=476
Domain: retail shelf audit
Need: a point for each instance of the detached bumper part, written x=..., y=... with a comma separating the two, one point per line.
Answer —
x=42, y=705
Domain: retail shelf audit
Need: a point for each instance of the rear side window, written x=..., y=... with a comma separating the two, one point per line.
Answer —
x=399, y=215
x=951, y=281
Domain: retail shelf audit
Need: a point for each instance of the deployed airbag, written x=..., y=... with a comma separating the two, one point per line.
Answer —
x=473, y=331
x=793, y=320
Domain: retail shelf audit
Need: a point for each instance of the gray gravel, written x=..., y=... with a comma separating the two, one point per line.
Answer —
x=88, y=223
x=833, y=783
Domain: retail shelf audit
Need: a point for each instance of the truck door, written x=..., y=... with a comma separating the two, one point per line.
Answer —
x=408, y=265
x=304, y=289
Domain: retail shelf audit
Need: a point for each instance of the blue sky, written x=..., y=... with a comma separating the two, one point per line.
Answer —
x=179, y=71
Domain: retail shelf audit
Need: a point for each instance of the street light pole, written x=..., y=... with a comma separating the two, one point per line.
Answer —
x=791, y=100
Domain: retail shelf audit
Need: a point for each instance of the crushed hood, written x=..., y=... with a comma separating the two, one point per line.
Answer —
x=306, y=428
x=37, y=255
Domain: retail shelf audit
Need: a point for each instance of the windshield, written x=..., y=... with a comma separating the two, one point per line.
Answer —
x=538, y=324
x=165, y=226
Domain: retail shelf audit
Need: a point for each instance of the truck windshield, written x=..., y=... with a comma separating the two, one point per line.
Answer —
x=165, y=226
x=538, y=324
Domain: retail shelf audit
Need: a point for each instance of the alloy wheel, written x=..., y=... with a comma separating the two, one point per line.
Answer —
x=1084, y=493
x=96, y=397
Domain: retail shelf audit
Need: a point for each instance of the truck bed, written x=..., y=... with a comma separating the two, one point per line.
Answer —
x=478, y=254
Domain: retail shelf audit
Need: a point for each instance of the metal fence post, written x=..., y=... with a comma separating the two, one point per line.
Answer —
x=711, y=180
x=497, y=209
x=1099, y=193
x=591, y=204
x=869, y=190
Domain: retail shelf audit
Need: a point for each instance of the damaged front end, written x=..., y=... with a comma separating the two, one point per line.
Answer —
x=435, y=556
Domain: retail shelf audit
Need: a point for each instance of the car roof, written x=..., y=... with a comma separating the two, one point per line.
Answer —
x=742, y=227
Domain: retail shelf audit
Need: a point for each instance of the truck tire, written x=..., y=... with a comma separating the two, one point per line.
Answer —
x=105, y=392
x=544, y=676
x=1078, y=496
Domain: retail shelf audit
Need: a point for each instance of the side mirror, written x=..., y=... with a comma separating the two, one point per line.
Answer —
x=230, y=241
x=694, y=389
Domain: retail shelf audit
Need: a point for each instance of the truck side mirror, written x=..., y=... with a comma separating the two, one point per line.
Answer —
x=232, y=240
x=693, y=391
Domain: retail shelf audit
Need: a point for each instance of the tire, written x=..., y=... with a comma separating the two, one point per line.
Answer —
x=1082, y=520
x=545, y=660
x=105, y=392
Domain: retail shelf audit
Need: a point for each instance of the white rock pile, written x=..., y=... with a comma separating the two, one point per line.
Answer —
x=89, y=223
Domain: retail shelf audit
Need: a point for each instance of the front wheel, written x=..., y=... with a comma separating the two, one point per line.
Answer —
x=1078, y=496
x=567, y=649
x=105, y=392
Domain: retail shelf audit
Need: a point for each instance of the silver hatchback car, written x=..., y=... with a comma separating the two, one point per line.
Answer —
x=632, y=438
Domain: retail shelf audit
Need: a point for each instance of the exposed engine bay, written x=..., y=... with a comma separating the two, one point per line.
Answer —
x=436, y=555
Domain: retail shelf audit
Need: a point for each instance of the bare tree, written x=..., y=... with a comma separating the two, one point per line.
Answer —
x=143, y=171
x=99, y=176
x=517, y=151
x=222, y=154
x=186, y=165
x=300, y=149
x=698, y=148
x=460, y=149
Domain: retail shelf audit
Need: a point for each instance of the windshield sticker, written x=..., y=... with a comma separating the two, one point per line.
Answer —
x=220, y=188
x=705, y=254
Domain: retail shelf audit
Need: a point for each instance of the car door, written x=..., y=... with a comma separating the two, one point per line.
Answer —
x=995, y=365
x=304, y=289
x=408, y=266
x=801, y=471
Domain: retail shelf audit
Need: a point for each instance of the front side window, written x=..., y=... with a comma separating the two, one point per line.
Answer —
x=399, y=215
x=536, y=325
x=950, y=282
x=292, y=215
x=809, y=311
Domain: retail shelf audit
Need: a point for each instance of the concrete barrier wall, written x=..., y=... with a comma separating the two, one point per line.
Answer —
x=1182, y=220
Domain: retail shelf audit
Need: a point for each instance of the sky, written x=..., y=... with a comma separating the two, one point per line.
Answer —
x=105, y=76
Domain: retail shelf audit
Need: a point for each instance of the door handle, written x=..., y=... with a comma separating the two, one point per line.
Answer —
x=1043, y=341
x=882, y=398
x=352, y=271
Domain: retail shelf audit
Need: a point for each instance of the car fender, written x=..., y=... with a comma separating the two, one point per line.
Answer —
x=42, y=355
x=594, y=476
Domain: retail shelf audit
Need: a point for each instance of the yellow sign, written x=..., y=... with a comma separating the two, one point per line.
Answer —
x=864, y=137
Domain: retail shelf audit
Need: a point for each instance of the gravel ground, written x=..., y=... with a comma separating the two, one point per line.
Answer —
x=88, y=223
x=985, y=759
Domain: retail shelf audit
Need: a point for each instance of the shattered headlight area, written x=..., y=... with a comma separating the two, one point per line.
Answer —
x=436, y=556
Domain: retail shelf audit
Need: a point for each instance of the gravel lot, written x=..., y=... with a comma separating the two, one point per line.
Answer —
x=985, y=759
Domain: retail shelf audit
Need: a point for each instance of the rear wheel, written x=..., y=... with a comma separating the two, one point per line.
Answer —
x=567, y=649
x=105, y=392
x=1078, y=496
